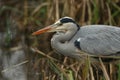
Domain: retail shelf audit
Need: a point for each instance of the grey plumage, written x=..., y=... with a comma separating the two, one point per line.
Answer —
x=93, y=39
x=100, y=39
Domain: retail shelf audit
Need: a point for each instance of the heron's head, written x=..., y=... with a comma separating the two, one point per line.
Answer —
x=62, y=25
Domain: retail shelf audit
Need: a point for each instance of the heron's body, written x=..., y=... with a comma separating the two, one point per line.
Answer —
x=93, y=39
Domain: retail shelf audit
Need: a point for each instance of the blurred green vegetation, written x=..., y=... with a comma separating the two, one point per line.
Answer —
x=30, y=15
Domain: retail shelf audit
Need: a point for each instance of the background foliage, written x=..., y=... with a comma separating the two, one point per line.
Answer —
x=19, y=18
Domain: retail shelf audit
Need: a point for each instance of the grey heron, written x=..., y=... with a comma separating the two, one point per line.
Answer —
x=99, y=40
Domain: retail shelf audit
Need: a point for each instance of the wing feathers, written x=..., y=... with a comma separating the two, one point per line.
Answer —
x=105, y=43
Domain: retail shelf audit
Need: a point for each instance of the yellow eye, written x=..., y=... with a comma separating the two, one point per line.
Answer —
x=60, y=24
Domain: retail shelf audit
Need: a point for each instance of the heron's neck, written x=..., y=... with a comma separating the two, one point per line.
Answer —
x=59, y=41
x=62, y=38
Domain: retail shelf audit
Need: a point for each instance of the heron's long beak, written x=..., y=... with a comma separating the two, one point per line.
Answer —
x=51, y=28
x=46, y=29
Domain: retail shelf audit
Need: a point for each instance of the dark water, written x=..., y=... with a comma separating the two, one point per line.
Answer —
x=12, y=55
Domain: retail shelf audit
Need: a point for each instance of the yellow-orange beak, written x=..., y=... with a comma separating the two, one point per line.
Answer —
x=46, y=29
x=51, y=28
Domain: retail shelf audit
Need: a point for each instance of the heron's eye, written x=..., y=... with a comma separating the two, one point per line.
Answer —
x=59, y=24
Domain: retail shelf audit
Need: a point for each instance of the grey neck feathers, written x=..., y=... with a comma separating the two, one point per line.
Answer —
x=59, y=40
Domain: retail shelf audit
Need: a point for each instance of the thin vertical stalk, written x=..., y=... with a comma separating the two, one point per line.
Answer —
x=109, y=14
x=83, y=11
x=57, y=9
x=89, y=12
x=91, y=73
x=104, y=70
x=25, y=12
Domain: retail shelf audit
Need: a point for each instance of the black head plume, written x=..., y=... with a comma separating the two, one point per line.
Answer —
x=67, y=20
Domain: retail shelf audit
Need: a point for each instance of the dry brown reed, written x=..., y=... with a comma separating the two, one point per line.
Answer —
x=31, y=15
